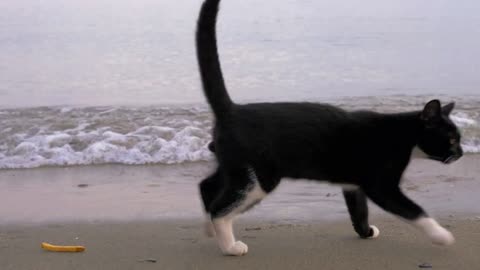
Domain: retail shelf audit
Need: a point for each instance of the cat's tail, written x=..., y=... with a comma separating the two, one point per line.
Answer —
x=207, y=54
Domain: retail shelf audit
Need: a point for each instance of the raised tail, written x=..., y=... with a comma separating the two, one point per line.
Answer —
x=209, y=63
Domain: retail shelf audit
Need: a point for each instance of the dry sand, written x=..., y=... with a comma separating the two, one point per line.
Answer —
x=125, y=215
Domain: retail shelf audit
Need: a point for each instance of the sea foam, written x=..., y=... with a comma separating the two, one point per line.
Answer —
x=56, y=136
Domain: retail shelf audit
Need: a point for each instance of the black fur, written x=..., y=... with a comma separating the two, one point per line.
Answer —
x=314, y=141
x=357, y=207
x=210, y=70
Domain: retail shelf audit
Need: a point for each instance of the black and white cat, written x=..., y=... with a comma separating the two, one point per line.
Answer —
x=256, y=145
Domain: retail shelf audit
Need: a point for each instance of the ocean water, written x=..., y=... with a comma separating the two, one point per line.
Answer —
x=57, y=136
x=103, y=81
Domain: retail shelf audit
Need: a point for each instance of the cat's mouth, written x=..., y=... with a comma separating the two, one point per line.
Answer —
x=448, y=159
x=452, y=159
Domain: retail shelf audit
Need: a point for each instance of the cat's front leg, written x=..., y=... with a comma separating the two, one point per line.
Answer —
x=394, y=201
x=435, y=231
x=358, y=210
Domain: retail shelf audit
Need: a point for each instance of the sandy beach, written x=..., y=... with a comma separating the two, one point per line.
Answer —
x=181, y=245
x=128, y=215
x=92, y=92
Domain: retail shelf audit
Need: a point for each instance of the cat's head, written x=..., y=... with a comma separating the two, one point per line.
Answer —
x=439, y=138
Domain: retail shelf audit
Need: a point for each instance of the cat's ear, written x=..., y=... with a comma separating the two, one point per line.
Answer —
x=447, y=109
x=432, y=111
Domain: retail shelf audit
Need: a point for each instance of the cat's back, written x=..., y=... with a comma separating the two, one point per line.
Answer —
x=289, y=113
x=282, y=124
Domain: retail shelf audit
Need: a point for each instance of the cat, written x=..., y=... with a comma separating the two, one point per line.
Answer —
x=258, y=144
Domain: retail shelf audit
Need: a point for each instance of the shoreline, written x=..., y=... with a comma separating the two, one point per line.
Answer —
x=147, y=193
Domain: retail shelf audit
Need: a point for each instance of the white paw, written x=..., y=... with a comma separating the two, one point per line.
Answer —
x=437, y=233
x=237, y=249
x=210, y=229
x=441, y=236
x=376, y=231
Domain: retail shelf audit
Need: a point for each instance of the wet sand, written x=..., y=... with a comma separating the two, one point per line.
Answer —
x=126, y=214
x=181, y=245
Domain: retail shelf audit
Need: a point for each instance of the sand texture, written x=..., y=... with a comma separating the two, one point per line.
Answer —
x=149, y=217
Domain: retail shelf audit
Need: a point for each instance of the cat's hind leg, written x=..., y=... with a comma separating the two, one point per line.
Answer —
x=394, y=201
x=210, y=188
x=241, y=193
x=358, y=210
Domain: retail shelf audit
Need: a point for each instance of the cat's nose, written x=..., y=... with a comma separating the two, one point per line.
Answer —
x=457, y=150
x=456, y=155
x=460, y=151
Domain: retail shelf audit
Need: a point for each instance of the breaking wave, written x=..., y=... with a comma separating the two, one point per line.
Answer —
x=60, y=136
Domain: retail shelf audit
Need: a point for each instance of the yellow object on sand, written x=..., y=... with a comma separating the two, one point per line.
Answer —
x=56, y=248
